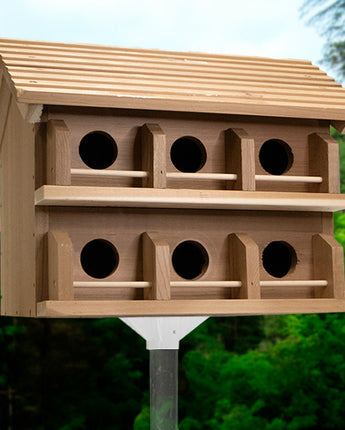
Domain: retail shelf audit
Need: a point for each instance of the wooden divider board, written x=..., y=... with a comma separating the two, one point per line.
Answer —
x=60, y=266
x=58, y=153
x=239, y=154
x=156, y=265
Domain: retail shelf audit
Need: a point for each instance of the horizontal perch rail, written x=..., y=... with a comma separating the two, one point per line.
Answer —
x=213, y=176
x=293, y=283
x=146, y=284
x=219, y=284
x=281, y=178
x=111, y=173
x=187, y=175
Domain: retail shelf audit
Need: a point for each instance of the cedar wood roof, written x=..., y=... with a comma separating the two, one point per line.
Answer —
x=89, y=75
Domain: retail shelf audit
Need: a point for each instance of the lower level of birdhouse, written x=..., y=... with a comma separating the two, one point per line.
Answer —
x=94, y=262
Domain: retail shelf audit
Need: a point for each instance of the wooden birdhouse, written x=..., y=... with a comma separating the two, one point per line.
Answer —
x=140, y=182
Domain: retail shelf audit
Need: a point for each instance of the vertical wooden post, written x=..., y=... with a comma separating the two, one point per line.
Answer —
x=239, y=147
x=324, y=161
x=244, y=266
x=18, y=260
x=156, y=262
x=5, y=101
x=328, y=263
x=60, y=266
x=58, y=153
x=154, y=155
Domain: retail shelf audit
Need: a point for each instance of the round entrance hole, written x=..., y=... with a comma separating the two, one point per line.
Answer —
x=190, y=259
x=188, y=154
x=279, y=258
x=99, y=258
x=98, y=150
x=276, y=156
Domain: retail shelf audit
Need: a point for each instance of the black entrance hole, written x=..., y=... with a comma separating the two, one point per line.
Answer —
x=99, y=258
x=98, y=150
x=276, y=156
x=279, y=258
x=188, y=154
x=190, y=259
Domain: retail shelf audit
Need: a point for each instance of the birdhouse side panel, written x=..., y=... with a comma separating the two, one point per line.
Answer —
x=18, y=279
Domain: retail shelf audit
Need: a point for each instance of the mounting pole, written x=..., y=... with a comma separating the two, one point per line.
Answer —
x=162, y=335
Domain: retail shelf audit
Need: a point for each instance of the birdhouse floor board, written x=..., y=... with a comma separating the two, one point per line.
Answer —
x=50, y=195
x=101, y=309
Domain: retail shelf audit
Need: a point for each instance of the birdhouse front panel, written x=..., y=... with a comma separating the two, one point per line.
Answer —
x=108, y=254
x=109, y=148
x=202, y=185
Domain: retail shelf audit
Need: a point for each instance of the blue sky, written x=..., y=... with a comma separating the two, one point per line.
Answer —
x=270, y=28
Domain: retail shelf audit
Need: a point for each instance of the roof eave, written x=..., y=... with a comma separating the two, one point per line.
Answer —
x=188, y=104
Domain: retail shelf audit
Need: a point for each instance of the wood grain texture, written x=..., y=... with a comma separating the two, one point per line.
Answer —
x=41, y=236
x=125, y=129
x=244, y=266
x=97, y=309
x=60, y=266
x=89, y=75
x=124, y=228
x=328, y=261
x=18, y=253
x=75, y=196
x=58, y=153
x=324, y=161
x=240, y=150
x=156, y=266
x=154, y=156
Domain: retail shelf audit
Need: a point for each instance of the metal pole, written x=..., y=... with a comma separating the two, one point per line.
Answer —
x=164, y=389
x=163, y=335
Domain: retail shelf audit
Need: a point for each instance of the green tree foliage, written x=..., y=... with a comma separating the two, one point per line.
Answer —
x=287, y=374
x=283, y=384
x=339, y=217
x=340, y=138
x=328, y=16
x=70, y=375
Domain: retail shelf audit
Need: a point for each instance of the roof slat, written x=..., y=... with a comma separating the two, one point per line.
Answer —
x=117, y=65
x=207, y=82
x=250, y=76
x=91, y=49
x=150, y=90
x=67, y=81
x=75, y=57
